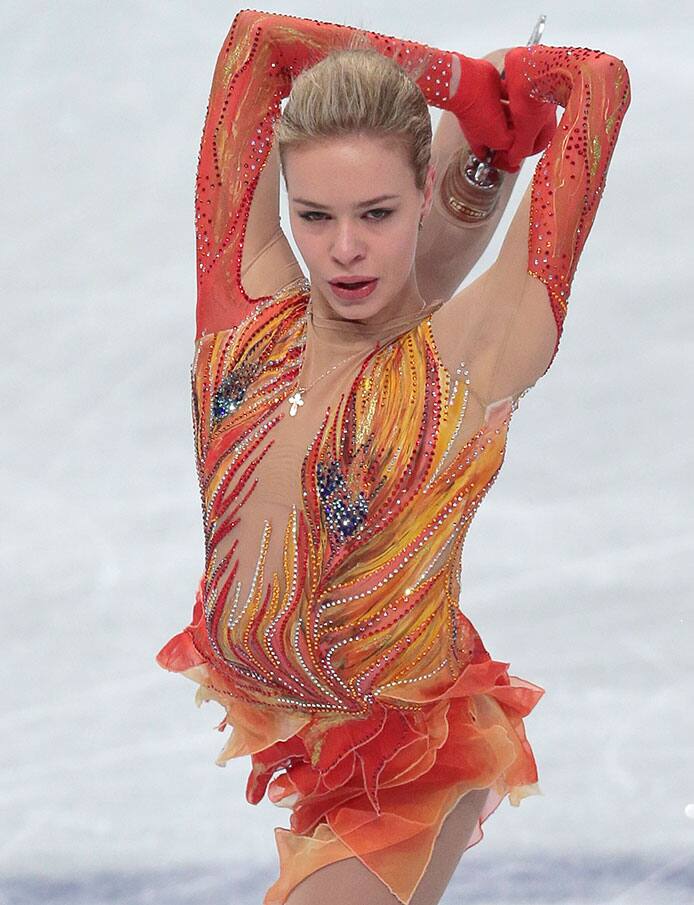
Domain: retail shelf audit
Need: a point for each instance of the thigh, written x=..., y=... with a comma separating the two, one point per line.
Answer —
x=449, y=847
x=348, y=882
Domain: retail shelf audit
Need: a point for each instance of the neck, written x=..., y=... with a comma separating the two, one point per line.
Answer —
x=335, y=344
x=330, y=337
x=400, y=313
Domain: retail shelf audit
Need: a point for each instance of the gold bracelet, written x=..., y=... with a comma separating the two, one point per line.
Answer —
x=464, y=211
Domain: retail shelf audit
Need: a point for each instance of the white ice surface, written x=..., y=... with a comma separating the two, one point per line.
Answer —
x=577, y=571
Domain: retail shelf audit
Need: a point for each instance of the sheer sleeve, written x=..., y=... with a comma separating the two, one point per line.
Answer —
x=521, y=301
x=260, y=55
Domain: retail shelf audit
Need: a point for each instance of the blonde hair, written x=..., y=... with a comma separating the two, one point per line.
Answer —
x=357, y=90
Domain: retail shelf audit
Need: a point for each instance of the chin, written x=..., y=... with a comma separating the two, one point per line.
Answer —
x=360, y=311
x=354, y=310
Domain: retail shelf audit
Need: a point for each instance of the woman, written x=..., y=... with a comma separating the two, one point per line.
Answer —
x=345, y=436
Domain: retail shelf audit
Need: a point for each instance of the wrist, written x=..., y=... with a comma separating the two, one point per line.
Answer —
x=465, y=197
x=456, y=71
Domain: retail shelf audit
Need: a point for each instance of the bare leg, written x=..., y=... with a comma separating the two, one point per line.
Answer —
x=450, y=845
x=348, y=882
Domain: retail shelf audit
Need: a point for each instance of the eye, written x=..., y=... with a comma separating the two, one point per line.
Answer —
x=386, y=211
x=312, y=216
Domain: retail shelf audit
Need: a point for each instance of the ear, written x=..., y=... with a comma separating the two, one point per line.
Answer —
x=429, y=187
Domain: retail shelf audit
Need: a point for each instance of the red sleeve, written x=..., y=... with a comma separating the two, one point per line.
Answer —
x=260, y=56
x=594, y=90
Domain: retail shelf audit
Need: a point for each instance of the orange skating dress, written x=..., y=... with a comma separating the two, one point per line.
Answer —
x=326, y=621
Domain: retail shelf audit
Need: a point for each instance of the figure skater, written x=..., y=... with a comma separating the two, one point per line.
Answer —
x=348, y=426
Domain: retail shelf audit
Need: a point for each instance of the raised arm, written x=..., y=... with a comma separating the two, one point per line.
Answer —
x=261, y=55
x=527, y=288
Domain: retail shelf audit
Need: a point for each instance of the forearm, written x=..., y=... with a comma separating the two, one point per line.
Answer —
x=449, y=144
x=448, y=249
x=449, y=246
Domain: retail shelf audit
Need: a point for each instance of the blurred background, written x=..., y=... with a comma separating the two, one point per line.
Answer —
x=577, y=570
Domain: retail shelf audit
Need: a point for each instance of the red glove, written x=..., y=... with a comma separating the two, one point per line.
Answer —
x=478, y=106
x=533, y=121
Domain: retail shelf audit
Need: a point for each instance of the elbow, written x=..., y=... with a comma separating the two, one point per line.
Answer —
x=610, y=72
x=614, y=70
x=618, y=75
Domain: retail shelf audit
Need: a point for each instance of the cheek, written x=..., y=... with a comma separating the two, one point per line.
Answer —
x=305, y=242
x=401, y=246
x=313, y=252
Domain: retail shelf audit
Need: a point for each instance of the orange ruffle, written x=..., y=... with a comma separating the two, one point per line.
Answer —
x=380, y=787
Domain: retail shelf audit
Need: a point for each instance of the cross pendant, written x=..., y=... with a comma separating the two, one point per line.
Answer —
x=295, y=401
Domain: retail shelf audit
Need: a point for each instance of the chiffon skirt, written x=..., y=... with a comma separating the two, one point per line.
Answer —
x=376, y=787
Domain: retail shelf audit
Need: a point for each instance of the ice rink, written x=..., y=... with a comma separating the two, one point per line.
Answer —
x=577, y=570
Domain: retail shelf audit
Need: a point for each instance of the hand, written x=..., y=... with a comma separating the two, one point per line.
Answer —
x=532, y=121
x=496, y=57
x=479, y=107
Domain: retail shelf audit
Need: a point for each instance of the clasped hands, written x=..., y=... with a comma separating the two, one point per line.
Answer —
x=498, y=113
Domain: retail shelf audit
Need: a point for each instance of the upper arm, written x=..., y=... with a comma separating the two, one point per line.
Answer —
x=527, y=333
x=241, y=251
x=268, y=262
x=502, y=323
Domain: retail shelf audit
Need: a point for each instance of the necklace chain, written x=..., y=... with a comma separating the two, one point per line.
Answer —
x=296, y=399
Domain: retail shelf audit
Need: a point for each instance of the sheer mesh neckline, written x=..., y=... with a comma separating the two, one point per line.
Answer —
x=338, y=332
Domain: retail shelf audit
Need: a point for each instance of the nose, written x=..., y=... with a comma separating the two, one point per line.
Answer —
x=347, y=246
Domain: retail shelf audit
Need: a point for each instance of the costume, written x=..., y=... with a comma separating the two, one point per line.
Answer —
x=326, y=621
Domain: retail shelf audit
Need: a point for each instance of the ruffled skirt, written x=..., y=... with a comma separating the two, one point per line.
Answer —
x=377, y=787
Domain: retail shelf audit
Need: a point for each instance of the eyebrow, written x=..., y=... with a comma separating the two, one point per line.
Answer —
x=360, y=204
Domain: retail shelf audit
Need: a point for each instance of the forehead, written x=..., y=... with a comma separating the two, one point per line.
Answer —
x=337, y=168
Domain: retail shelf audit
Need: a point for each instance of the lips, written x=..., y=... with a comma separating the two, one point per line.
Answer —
x=353, y=282
x=353, y=289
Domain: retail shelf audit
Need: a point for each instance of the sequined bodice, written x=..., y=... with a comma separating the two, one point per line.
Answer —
x=333, y=539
